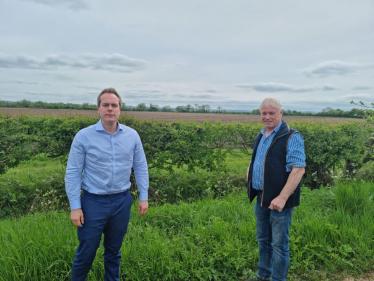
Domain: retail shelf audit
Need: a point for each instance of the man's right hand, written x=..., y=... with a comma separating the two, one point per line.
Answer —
x=76, y=217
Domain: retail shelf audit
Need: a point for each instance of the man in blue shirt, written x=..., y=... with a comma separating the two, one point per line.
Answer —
x=274, y=175
x=100, y=162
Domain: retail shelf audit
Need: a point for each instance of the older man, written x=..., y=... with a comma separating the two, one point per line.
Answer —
x=100, y=162
x=274, y=176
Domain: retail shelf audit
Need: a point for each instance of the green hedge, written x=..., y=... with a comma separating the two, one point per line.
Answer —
x=198, y=146
x=186, y=159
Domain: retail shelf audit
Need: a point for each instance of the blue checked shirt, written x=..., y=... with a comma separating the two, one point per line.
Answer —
x=295, y=155
x=101, y=163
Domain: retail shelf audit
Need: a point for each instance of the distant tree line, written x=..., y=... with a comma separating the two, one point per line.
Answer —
x=205, y=108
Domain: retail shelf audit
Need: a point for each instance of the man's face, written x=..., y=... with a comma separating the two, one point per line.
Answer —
x=271, y=117
x=109, y=109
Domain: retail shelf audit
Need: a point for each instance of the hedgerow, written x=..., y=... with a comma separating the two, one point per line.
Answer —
x=186, y=159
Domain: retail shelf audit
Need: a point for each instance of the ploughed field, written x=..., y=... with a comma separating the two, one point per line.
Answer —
x=167, y=116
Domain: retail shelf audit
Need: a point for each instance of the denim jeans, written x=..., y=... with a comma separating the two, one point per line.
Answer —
x=272, y=231
x=103, y=214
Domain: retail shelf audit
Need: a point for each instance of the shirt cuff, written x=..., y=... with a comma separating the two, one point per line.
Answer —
x=296, y=165
x=75, y=204
x=143, y=196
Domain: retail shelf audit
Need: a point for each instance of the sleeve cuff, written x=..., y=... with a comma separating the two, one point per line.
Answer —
x=143, y=196
x=75, y=204
x=289, y=166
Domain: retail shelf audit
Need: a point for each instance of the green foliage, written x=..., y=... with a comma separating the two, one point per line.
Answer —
x=331, y=149
x=170, y=146
x=38, y=185
x=182, y=186
x=187, y=160
x=369, y=118
x=35, y=185
x=332, y=230
x=206, y=240
x=17, y=141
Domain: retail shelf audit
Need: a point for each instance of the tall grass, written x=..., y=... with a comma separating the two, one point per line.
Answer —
x=331, y=234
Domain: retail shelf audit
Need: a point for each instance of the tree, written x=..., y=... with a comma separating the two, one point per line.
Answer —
x=141, y=107
x=153, y=107
x=181, y=108
x=327, y=109
x=219, y=109
x=167, y=108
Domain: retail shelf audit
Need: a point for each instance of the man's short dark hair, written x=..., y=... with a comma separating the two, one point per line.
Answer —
x=109, y=91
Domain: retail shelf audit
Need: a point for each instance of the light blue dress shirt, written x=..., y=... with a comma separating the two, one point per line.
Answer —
x=101, y=163
x=295, y=155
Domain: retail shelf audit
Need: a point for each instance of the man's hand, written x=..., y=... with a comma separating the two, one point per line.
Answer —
x=142, y=208
x=293, y=180
x=76, y=217
x=278, y=203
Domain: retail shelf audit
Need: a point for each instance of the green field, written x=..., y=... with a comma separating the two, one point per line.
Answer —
x=200, y=225
x=209, y=239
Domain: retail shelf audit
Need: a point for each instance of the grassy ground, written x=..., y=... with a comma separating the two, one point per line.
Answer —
x=331, y=236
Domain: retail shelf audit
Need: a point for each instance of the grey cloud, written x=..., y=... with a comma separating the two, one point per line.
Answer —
x=367, y=98
x=20, y=81
x=201, y=97
x=38, y=94
x=70, y=4
x=334, y=67
x=207, y=91
x=279, y=87
x=62, y=77
x=362, y=88
x=180, y=95
x=114, y=62
x=211, y=91
x=329, y=87
x=139, y=96
x=89, y=88
x=194, y=97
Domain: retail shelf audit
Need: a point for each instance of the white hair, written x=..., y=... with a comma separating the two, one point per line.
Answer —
x=272, y=102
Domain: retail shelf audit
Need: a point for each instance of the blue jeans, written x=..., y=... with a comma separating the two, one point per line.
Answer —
x=272, y=231
x=103, y=214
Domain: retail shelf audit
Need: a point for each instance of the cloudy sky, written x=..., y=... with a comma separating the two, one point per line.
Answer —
x=310, y=54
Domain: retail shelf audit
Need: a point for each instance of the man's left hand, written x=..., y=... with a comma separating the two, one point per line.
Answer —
x=142, y=208
x=277, y=204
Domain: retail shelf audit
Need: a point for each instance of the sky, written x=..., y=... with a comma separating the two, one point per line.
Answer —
x=232, y=54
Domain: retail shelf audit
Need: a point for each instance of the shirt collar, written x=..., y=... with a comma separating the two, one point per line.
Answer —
x=263, y=131
x=99, y=126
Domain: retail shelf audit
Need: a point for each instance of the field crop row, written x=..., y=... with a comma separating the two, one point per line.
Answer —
x=167, y=116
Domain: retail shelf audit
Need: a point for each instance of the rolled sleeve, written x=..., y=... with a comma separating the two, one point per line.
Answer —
x=295, y=152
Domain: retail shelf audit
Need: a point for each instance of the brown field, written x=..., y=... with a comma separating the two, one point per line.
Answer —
x=167, y=116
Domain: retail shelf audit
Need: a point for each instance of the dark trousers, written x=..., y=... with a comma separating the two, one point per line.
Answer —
x=103, y=214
